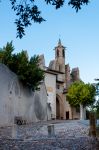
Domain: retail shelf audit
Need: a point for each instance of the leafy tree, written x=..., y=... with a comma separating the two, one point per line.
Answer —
x=28, y=70
x=27, y=11
x=6, y=54
x=81, y=94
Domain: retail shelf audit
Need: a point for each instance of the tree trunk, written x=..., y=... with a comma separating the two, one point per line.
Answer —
x=81, y=112
x=84, y=112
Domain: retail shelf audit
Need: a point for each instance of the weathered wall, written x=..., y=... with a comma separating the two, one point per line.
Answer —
x=17, y=100
x=50, y=82
x=76, y=115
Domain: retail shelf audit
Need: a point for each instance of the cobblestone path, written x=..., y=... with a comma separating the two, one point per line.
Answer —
x=69, y=135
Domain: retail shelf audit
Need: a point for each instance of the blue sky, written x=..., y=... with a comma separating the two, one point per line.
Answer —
x=79, y=32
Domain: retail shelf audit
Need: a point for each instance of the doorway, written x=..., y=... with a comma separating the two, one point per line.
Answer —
x=67, y=115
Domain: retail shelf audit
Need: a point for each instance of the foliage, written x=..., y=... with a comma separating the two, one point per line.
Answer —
x=81, y=93
x=27, y=70
x=6, y=54
x=27, y=11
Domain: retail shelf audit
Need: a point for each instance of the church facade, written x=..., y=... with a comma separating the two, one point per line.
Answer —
x=58, y=78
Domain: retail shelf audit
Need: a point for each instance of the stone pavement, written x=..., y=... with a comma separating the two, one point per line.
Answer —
x=67, y=135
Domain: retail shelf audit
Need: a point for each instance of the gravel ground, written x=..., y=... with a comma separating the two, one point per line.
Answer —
x=67, y=135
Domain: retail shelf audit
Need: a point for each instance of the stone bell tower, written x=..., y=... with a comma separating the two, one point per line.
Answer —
x=60, y=57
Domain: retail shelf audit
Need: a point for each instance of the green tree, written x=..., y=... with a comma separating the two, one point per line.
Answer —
x=6, y=54
x=28, y=70
x=28, y=11
x=81, y=94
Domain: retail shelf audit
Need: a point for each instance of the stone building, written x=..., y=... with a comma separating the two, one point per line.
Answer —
x=58, y=78
x=46, y=104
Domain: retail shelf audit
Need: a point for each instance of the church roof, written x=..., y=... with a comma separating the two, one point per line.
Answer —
x=60, y=44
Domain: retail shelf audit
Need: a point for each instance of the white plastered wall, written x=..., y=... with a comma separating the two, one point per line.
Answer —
x=50, y=82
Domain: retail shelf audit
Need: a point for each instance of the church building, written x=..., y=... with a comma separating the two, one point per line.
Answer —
x=58, y=78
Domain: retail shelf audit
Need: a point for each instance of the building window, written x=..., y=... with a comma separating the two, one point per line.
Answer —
x=63, y=53
x=57, y=52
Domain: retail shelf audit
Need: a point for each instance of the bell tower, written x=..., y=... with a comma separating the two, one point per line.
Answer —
x=60, y=57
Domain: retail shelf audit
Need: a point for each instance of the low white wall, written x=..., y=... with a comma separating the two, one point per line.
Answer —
x=17, y=100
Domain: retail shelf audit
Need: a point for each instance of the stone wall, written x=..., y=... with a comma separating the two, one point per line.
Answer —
x=19, y=101
x=50, y=82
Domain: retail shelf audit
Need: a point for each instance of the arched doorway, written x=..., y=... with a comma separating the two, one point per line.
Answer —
x=57, y=108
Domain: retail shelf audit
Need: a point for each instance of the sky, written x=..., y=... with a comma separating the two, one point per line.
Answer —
x=79, y=33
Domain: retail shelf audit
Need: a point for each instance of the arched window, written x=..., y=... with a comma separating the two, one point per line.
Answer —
x=57, y=52
x=63, y=53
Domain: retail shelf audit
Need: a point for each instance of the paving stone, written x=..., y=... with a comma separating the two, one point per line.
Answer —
x=69, y=135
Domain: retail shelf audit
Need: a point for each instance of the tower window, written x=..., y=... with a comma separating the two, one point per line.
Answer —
x=57, y=52
x=63, y=53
